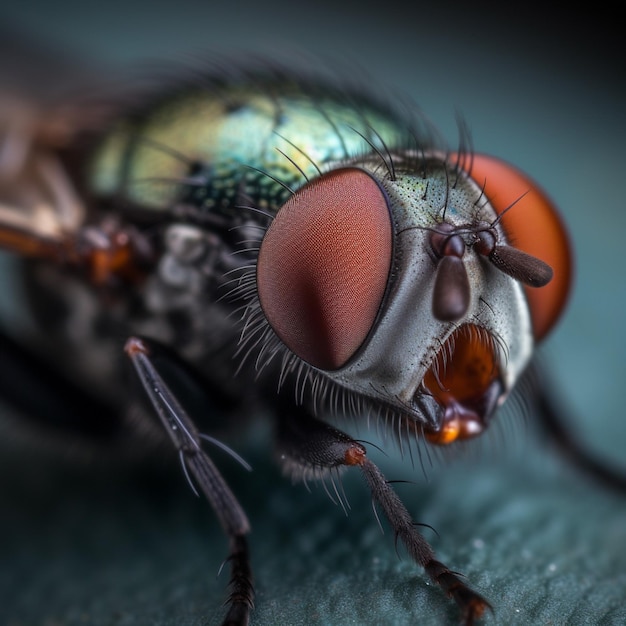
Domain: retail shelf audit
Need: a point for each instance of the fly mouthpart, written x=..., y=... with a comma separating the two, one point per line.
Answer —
x=463, y=386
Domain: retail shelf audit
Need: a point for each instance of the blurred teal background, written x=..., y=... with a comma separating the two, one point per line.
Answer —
x=547, y=546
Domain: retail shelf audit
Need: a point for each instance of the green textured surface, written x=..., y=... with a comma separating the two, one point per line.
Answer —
x=547, y=547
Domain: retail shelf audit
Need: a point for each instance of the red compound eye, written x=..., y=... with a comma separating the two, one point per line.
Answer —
x=534, y=226
x=323, y=266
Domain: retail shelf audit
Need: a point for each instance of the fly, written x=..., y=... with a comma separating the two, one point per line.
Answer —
x=263, y=238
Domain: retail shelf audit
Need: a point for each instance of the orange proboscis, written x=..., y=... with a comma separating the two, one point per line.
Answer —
x=450, y=431
x=465, y=374
x=461, y=375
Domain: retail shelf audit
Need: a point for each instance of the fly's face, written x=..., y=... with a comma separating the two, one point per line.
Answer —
x=404, y=287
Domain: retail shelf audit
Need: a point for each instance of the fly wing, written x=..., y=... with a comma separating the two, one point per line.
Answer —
x=42, y=113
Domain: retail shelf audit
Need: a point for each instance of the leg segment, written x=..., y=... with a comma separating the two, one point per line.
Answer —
x=308, y=445
x=187, y=441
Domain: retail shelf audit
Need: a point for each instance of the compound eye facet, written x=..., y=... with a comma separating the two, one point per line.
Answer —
x=323, y=266
x=534, y=226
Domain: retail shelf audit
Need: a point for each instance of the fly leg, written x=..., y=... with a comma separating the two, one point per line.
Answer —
x=197, y=465
x=308, y=446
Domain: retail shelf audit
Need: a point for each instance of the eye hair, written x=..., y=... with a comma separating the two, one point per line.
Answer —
x=446, y=199
x=258, y=339
x=277, y=180
x=388, y=161
x=302, y=152
x=302, y=173
x=465, y=150
x=254, y=209
x=333, y=125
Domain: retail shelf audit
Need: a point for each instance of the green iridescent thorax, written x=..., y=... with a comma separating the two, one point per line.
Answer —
x=209, y=148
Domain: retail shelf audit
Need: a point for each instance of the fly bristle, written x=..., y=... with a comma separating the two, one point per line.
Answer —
x=298, y=472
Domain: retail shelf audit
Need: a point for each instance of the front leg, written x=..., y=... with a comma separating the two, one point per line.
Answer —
x=309, y=447
x=188, y=442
